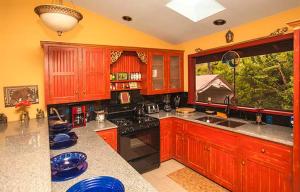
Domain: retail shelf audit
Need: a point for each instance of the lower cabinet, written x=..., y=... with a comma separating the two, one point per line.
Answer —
x=197, y=155
x=237, y=162
x=223, y=166
x=258, y=176
x=166, y=141
x=179, y=129
x=110, y=137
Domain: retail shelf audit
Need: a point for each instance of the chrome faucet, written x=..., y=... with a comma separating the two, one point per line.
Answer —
x=227, y=103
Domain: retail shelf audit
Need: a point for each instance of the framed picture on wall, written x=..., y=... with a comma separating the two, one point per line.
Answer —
x=15, y=94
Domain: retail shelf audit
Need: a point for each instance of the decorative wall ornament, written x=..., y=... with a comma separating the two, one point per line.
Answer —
x=142, y=56
x=229, y=36
x=13, y=95
x=279, y=31
x=115, y=55
x=197, y=50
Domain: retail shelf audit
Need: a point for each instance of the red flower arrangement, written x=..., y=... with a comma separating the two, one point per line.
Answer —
x=24, y=103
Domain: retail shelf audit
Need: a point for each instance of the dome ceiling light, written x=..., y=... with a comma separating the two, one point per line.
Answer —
x=58, y=17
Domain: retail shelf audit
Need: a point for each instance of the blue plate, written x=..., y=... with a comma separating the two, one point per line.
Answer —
x=98, y=184
x=60, y=128
x=59, y=142
x=67, y=161
x=57, y=176
x=61, y=137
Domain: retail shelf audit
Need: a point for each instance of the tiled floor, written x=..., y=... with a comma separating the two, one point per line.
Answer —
x=160, y=180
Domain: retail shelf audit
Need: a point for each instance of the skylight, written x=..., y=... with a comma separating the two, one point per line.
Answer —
x=195, y=10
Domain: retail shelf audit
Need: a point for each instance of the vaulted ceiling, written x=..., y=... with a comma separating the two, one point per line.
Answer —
x=154, y=18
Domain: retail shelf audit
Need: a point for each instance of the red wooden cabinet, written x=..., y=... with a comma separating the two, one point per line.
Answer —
x=235, y=161
x=74, y=73
x=163, y=73
x=110, y=137
x=179, y=140
x=223, y=166
x=95, y=75
x=197, y=156
x=166, y=151
x=61, y=74
x=266, y=166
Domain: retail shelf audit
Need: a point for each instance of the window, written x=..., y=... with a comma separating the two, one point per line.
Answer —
x=264, y=81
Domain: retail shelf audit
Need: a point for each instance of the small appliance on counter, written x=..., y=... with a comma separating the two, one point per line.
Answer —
x=167, y=103
x=78, y=116
x=152, y=108
x=100, y=116
x=177, y=101
x=139, y=110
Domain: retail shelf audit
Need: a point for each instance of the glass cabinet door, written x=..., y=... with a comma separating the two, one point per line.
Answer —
x=175, y=77
x=158, y=69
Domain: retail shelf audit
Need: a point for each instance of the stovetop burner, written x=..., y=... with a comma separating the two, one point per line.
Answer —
x=129, y=123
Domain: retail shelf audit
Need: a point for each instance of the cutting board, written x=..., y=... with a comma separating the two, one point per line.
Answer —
x=185, y=110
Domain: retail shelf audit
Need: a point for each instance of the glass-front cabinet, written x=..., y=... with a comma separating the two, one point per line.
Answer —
x=175, y=73
x=158, y=70
x=164, y=72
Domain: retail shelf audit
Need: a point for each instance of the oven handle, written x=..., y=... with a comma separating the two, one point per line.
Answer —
x=137, y=131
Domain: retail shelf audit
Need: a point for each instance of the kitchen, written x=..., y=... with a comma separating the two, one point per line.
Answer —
x=117, y=69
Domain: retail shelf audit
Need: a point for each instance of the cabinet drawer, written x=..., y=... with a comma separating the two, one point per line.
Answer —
x=178, y=125
x=269, y=150
x=213, y=135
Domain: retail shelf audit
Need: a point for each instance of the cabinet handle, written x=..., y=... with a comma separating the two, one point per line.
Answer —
x=263, y=150
x=84, y=92
x=243, y=162
x=76, y=92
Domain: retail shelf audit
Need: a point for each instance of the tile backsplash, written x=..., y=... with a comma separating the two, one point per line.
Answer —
x=114, y=104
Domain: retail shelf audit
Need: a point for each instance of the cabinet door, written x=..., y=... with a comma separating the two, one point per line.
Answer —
x=165, y=140
x=175, y=77
x=158, y=69
x=179, y=147
x=110, y=137
x=197, y=156
x=223, y=166
x=61, y=74
x=258, y=176
x=95, y=75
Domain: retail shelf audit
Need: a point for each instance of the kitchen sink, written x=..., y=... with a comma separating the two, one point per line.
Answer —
x=209, y=119
x=231, y=124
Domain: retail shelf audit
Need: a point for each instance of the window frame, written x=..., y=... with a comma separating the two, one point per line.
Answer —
x=248, y=44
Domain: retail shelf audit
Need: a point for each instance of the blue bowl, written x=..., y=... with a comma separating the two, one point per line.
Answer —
x=67, y=161
x=98, y=184
x=60, y=141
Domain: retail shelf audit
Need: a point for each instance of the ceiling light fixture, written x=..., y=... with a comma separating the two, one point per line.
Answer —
x=195, y=10
x=127, y=18
x=58, y=17
x=219, y=22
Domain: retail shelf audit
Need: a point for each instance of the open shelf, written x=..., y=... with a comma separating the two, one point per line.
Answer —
x=126, y=89
x=125, y=81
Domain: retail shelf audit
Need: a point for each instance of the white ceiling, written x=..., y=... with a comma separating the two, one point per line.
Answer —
x=154, y=18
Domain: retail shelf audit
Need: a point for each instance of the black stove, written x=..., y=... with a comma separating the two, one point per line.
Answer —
x=131, y=124
x=138, y=139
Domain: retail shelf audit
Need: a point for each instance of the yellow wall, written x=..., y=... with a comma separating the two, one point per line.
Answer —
x=21, y=31
x=248, y=31
x=21, y=61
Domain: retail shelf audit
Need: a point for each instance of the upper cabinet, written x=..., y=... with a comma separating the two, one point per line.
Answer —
x=75, y=73
x=164, y=73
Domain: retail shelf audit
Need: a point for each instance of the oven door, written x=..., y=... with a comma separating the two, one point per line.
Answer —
x=141, y=148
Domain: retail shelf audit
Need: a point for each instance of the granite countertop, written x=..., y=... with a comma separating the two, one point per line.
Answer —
x=102, y=160
x=274, y=133
x=24, y=157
